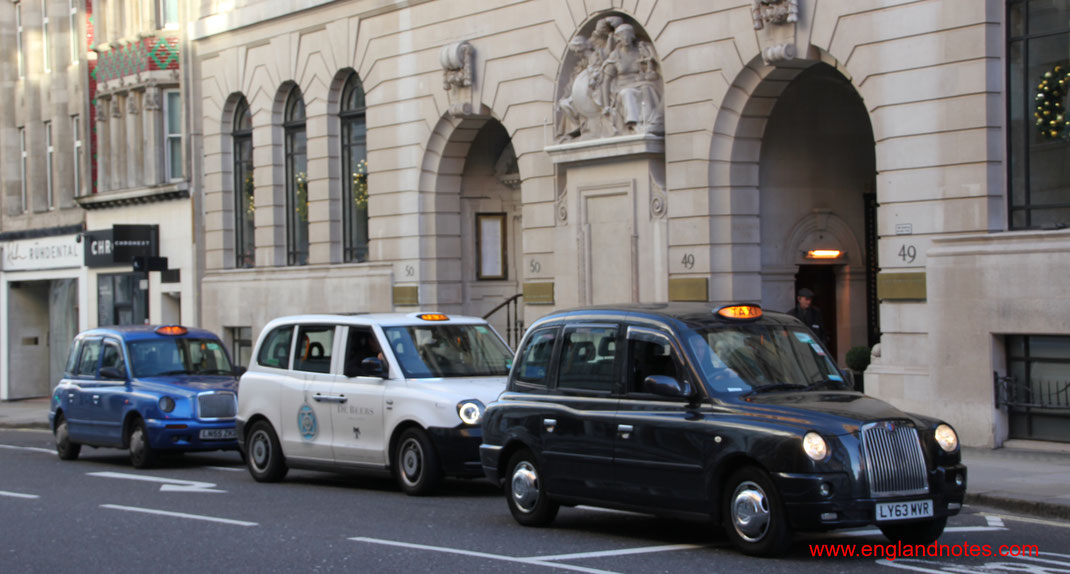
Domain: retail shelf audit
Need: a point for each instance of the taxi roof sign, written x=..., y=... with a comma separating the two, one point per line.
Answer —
x=740, y=312
x=433, y=317
x=171, y=330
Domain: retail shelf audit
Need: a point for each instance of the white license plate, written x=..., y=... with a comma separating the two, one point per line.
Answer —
x=218, y=434
x=904, y=510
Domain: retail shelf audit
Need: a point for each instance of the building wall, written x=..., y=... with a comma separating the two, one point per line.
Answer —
x=929, y=75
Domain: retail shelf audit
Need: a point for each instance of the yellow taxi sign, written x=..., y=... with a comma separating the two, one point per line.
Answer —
x=433, y=317
x=740, y=312
x=171, y=330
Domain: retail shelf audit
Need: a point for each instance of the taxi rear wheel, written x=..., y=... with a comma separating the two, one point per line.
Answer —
x=264, y=457
x=916, y=532
x=65, y=448
x=753, y=515
x=416, y=466
x=525, y=491
x=141, y=453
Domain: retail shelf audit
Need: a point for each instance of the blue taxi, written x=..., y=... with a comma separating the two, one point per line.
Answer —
x=147, y=389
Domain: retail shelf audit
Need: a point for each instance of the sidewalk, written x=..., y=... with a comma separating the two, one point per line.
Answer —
x=1012, y=479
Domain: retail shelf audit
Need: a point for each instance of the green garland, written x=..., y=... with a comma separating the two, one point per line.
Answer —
x=1050, y=112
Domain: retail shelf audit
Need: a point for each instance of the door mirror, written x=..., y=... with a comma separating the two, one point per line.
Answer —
x=666, y=387
x=372, y=367
x=112, y=373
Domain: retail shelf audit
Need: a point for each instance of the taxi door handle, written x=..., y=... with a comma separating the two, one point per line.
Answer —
x=624, y=431
x=389, y=404
x=549, y=424
x=96, y=399
x=330, y=398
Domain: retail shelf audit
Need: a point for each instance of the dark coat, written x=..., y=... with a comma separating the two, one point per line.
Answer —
x=811, y=316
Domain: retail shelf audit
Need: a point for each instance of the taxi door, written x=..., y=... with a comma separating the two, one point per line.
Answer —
x=304, y=424
x=313, y=354
x=77, y=396
x=358, y=418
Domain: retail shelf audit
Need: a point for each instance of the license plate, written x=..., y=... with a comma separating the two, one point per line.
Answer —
x=904, y=510
x=218, y=434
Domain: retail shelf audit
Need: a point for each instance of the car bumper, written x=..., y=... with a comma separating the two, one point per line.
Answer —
x=807, y=509
x=458, y=449
x=490, y=455
x=186, y=435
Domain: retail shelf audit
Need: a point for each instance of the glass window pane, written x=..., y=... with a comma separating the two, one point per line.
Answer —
x=1048, y=16
x=1015, y=346
x=587, y=360
x=1016, y=19
x=87, y=365
x=275, y=351
x=1049, y=347
x=1018, y=124
x=174, y=112
x=534, y=360
x=314, y=346
x=174, y=160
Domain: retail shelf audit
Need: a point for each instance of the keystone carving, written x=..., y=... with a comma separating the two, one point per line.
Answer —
x=774, y=12
x=615, y=87
x=456, y=60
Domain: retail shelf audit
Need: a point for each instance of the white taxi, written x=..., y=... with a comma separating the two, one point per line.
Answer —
x=400, y=393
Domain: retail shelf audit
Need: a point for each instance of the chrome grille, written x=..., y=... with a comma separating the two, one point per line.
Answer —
x=217, y=405
x=895, y=464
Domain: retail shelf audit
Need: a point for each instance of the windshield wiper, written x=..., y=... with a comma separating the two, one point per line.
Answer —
x=170, y=373
x=779, y=387
x=827, y=383
x=215, y=372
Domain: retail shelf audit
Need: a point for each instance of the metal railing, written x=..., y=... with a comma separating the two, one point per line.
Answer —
x=1034, y=394
x=514, y=324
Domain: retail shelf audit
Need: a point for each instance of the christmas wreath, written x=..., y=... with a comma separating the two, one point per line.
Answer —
x=1050, y=111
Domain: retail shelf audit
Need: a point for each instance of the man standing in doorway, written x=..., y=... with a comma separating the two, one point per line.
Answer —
x=808, y=313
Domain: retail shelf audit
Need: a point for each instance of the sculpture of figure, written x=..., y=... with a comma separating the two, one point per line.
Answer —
x=631, y=84
x=573, y=121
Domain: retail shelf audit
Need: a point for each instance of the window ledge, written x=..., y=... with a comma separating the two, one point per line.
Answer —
x=108, y=199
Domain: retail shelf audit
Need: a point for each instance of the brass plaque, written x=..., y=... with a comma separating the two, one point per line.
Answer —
x=406, y=296
x=689, y=289
x=539, y=293
x=901, y=286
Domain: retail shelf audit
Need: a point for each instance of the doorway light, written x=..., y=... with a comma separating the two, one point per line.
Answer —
x=824, y=254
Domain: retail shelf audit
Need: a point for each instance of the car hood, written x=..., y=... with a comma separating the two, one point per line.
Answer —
x=191, y=383
x=486, y=389
x=835, y=412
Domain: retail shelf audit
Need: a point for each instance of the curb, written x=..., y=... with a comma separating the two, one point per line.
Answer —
x=1031, y=507
x=25, y=425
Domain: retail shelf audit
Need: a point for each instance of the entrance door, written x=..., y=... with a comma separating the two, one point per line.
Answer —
x=821, y=279
x=610, y=254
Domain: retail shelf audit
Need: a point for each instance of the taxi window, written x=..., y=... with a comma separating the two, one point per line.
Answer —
x=72, y=357
x=449, y=350
x=275, y=351
x=649, y=354
x=588, y=356
x=362, y=344
x=314, y=344
x=534, y=361
x=113, y=356
x=87, y=364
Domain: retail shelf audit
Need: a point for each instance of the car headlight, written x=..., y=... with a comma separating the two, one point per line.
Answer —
x=815, y=446
x=167, y=404
x=470, y=411
x=945, y=437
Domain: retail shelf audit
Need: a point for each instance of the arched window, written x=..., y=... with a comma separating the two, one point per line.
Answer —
x=296, y=179
x=355, y=172
x=244, y=206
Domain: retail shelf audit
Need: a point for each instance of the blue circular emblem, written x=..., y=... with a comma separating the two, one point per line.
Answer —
x=306, y=422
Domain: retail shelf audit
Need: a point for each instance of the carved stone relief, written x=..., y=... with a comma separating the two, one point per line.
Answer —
x=152, y=98
x=614, y=87
x=659, y=200
x=456, y=60
x=102, y=109
x=116, y=110
x=774, y=12
x=132, y=107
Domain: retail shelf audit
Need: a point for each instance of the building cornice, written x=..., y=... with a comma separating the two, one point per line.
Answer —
x=110, y=199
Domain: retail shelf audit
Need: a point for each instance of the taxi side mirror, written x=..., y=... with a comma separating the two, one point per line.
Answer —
x=113, y=373
x=667, y=387
x=372, y=367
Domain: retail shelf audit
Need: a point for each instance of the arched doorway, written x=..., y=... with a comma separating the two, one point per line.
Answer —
x=817, y=174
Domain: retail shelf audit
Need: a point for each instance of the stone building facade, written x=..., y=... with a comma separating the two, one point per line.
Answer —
x=370, y=155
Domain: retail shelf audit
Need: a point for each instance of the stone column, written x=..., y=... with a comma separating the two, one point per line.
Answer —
x=103, y=151
x=152, y=140
x=117, y=147
x=135, y=150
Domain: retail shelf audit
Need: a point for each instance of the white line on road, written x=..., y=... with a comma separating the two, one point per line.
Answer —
x=17, y=494
x=533, y=561
x=621, y=552
x=178, y=514
x=877, y=532
x=994, y=521
x=169, y=484
x=33, y=448
x=1029, y=520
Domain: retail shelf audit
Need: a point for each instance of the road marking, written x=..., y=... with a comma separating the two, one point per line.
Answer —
x=1005, y=565
x=876, y=531
x=1029, y=520
x=994, y=521
x=533, y=561
x=622, y=552
x=33, y=448
x=169, y=484
x=17, y=494
x=178, y=514
x=226, y=468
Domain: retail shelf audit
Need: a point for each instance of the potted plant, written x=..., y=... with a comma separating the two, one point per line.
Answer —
x=857, y=360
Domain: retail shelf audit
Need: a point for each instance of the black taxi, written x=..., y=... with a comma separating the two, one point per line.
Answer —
x=724, y=413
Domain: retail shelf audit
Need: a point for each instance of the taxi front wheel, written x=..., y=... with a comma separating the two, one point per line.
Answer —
x=416, y=466
x=264, y=459
x=141, y=453
x=66, y=449
x=525, y=491
x=753, y=516
x=916, y=532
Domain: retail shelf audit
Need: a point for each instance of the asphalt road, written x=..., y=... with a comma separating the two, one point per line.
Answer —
x=204, y=513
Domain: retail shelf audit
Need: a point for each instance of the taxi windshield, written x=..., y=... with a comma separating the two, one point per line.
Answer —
x=432, y=351
x=178, y=356
x=762, y=358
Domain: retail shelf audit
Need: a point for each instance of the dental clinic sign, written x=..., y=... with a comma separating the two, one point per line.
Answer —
x=42, y=253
